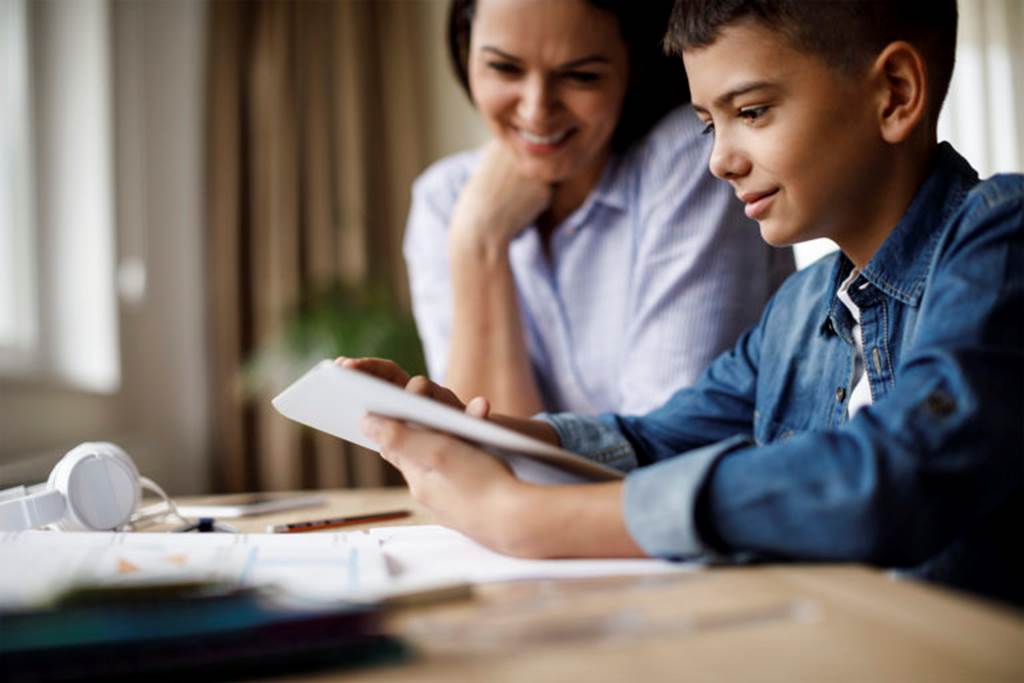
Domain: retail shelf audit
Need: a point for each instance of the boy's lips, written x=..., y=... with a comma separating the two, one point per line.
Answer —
x=757, y=203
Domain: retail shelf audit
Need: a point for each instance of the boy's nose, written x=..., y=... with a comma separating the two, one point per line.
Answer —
x=727, y=162
x=535, y=102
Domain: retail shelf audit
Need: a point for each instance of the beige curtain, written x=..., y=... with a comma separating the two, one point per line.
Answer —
x=313, y=141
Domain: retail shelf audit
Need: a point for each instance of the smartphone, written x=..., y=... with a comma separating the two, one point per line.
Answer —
x=248, y=504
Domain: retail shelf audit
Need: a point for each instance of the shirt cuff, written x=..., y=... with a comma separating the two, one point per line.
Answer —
x=660, y=501
x=589, y=437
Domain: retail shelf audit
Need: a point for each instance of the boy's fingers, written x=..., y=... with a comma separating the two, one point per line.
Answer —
x=424, y=387
x=388, y=434
x=478, y=407
x=407, y=447
x=448, y=396
x=378, y=367
x=419, y=385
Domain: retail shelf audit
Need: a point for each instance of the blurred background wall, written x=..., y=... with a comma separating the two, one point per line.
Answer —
x=195, y=198
x=150, y=83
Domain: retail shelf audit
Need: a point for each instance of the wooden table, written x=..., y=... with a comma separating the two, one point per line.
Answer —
x=770, y=622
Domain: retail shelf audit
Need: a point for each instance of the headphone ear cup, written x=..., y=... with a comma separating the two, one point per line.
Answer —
x=100, y=484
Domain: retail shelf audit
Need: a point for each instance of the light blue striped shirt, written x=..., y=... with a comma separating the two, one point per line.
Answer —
x=655, y=274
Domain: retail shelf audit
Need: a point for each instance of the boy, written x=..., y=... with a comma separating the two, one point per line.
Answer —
x=874, y=414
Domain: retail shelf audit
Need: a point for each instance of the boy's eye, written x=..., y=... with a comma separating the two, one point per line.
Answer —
x=505, y=68
x=753, y=113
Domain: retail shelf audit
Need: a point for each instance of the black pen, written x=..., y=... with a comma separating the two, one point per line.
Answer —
x=334, y=522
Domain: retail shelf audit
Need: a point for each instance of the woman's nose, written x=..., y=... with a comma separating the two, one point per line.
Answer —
x=727, y=160
x=536, y=101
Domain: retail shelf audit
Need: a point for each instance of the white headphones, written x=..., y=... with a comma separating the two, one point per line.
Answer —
x=95, y=487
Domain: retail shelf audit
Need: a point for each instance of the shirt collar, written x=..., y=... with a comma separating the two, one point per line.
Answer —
x=900, y=266
x=610, y=189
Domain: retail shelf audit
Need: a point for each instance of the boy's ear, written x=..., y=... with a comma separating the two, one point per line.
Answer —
x=900, y=76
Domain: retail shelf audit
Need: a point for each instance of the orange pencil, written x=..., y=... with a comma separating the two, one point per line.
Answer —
x=334, y=522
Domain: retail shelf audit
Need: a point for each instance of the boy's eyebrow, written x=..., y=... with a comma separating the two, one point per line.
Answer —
x=742, y=89
x=598, y=58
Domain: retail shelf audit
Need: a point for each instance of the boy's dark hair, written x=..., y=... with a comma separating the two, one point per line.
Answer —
x=657, y=82
x=847, y=34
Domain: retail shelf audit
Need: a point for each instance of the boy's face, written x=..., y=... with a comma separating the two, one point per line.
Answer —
x=797, y=139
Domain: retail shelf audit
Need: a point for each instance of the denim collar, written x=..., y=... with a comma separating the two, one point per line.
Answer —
x=900, y=266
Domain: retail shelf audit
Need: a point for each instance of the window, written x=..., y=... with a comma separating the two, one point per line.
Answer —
x=58, y=306
x=984, y=112
x=17, y=275
x=983, y=116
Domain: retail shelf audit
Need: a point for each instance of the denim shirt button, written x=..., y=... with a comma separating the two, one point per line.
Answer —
x=840, y=394
x=940, y=404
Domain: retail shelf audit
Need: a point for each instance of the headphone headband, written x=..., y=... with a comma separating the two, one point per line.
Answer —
x=29, y=511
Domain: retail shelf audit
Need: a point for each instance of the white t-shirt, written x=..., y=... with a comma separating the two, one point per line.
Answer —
x=861, y=394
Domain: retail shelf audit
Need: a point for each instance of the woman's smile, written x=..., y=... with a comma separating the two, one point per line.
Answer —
x=538, y=143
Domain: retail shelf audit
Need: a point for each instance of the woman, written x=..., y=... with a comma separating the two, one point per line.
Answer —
x=564, y=265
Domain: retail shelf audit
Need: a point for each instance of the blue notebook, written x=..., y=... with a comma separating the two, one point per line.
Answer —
x=206, y=630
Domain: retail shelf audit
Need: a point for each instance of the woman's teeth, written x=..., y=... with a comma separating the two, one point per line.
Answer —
x=552, y=139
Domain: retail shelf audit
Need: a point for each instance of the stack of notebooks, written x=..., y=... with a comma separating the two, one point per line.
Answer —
x=173, y=630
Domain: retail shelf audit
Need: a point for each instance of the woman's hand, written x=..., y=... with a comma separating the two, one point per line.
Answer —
x=487, y=354
x=497, y=202
x=391, y=372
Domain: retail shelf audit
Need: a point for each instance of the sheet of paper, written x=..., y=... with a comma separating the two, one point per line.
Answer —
x=428, y=553
x=36, y=565
x=384, y=562
x=334, y=400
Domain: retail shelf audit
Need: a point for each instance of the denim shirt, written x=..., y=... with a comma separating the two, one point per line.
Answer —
x=760, y=458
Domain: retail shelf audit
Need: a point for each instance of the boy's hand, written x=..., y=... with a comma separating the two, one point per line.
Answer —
x=469, y=490
x=466, y=488
x=389, y=371
x=381, y=368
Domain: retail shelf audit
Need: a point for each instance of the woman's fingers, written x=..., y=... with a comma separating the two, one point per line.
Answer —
x=384, y=369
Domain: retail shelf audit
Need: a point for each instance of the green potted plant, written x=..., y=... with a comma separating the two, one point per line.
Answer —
x=337, y=320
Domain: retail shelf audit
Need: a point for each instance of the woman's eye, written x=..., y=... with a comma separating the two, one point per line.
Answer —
x=753, y=113
x=582, y=76
x=709, y=128
x=505, y=68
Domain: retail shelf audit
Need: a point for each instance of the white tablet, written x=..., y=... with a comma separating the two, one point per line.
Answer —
x=334, y=399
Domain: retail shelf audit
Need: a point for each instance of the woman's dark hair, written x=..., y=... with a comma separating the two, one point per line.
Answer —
x=657, y=82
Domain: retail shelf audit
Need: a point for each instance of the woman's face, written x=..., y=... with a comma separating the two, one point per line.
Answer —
x=549, y=77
